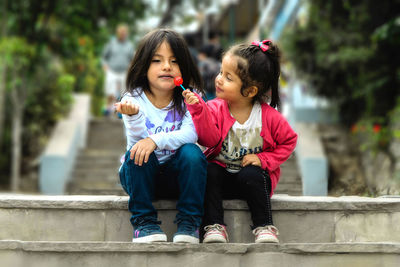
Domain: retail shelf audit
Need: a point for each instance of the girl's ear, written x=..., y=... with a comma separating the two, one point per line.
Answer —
x=251, y=91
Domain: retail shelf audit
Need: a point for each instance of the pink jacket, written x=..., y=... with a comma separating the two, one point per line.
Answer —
x=213, y=121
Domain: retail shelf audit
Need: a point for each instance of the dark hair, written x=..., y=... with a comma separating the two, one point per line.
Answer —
x=259, y=68
x=136, y=81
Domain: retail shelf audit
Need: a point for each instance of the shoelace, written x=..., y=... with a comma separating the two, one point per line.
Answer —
x=186, y=224
x=217, y=227
x=186, y=227
x=149, y=228
x=270, y=228
x=149, y=224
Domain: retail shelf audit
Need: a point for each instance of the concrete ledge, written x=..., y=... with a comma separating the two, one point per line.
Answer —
x=106, y=218
x=80, y=113
x=279, y=202
x=309, y=108
x=312, y=161
x=294, y=248
x=68, y=137
x=102, y=254
x=58, y=159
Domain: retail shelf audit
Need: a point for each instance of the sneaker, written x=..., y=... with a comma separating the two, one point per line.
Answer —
x=266, y=234
x=215, y=233
x=187, y=232
x=148, y=232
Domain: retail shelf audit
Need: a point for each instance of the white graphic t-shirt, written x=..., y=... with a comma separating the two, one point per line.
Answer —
x=165, y=127
x=241, y=140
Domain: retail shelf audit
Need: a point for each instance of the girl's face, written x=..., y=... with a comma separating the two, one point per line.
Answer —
x=228, y=83
x=163, y=69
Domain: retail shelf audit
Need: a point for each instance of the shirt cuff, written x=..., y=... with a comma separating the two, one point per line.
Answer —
x=157, y=139
x=133, y=117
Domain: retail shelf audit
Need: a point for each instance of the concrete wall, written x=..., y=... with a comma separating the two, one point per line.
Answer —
x=311, y=159
x=68, y=137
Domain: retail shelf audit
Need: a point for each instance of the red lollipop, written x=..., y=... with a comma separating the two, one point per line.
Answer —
x=178, y=82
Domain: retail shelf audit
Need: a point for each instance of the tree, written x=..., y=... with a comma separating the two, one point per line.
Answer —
x=17, y=54
x=41, y=37
x=341, y=52
x=3, y=68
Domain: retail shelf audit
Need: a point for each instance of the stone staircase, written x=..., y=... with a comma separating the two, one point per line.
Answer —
x=96, y=170
x=91, y=227
x=95, y=231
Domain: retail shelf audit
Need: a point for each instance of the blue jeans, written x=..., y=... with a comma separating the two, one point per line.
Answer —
x=182, y=177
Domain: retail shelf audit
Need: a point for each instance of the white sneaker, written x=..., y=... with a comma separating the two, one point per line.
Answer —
x=186, y=239
x=215, y=233
x=150, y=238
x=266, y=234
x=149, y=233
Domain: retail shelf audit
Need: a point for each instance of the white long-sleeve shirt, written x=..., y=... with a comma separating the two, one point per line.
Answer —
x=164, y=126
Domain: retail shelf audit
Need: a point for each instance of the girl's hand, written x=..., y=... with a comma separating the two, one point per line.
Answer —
x=190, y=97
x=141, y=150
x=251, y=159
x=127, y=107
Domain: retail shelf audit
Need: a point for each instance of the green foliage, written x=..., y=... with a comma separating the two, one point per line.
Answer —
x=42, y=88
x=394, y=118
x=348, y=51
x=371, y=134
x=16, y=55
x=85, y=67
x=49, y=101
x=76, y=31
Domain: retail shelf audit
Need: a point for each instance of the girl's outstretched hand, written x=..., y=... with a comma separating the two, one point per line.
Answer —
x=251, y=159
x=190, y=97
x=141, y=150
x=127, y=108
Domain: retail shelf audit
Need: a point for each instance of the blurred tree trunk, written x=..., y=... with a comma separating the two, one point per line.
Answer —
x=18, y=96
x=3, y=69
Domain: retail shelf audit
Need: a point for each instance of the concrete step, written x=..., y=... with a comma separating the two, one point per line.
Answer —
x=109, y=190
x=90, y=164
x=79, y=187
x=106, y=134
x=105, y=254
x=106, y=218
x=102, y=174
x=101, y=154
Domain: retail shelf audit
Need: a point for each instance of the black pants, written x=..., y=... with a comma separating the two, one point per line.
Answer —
x=251, y=183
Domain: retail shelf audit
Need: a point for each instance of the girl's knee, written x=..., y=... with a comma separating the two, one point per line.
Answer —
x=214, y=173
x=192, y=153
x=252, y=175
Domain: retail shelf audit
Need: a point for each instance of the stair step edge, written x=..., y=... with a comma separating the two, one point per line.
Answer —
x=279, y=202
x=231, y=248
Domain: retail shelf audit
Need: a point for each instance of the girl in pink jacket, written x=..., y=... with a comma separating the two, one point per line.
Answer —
x=246, y=138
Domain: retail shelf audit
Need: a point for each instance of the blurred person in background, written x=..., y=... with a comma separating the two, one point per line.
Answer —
x=213, y=40
x=209, y=68
x=116, y=58
x=190, y=40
